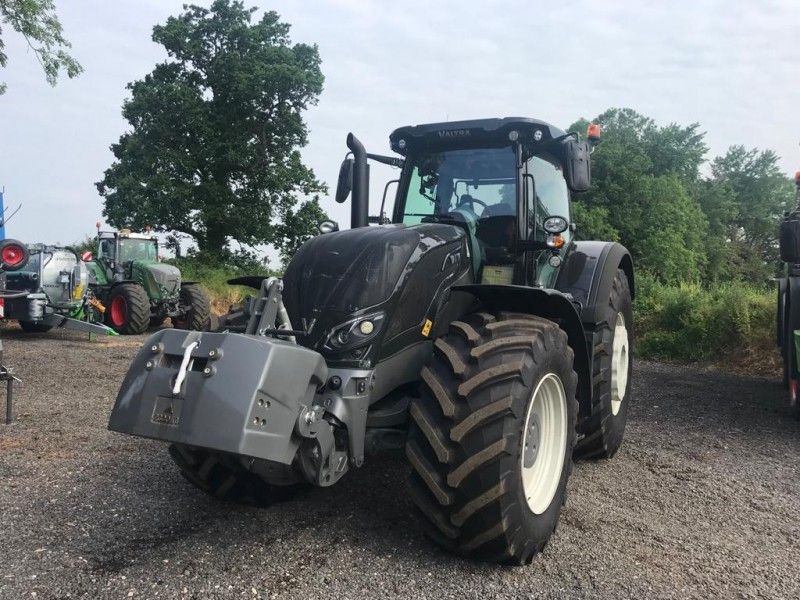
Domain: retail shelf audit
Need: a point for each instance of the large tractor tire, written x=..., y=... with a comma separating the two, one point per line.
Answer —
x=31, y=327
x=198, y=308
x=128, y=310
x=491, y=436
x=225, y=478
x=603, y=430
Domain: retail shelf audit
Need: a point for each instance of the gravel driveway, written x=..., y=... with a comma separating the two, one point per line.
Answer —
x=702, y=501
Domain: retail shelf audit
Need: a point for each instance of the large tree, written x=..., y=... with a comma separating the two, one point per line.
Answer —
x=37, y=22
x=215, y=132
x=642, y=178
x=755, y=194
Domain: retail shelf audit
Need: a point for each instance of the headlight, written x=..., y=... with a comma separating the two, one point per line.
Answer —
x=355, y=332
x=555, y=224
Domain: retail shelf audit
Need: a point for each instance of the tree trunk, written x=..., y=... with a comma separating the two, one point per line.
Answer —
x=214, y=241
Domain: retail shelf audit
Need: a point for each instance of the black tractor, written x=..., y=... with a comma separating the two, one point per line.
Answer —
x=469, y=330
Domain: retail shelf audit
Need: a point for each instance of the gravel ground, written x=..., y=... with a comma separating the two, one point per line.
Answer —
x=702, y=501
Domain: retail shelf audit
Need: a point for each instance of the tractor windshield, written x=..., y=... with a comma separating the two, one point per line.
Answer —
x=477, y=183
x=137, y=249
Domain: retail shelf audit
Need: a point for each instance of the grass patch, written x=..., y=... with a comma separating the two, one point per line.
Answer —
x=214, y=277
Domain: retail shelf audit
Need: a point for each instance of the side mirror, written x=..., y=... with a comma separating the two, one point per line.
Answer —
x=86, y=256
x=345, y=183
x=578, y=166
x=328, y=226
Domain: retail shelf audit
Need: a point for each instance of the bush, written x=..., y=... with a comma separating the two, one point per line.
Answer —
x=692, y=322
x=214, y=276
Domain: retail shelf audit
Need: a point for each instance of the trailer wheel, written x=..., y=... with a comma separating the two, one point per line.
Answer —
x=31, y=327
x=612, y=366
x=222, y=476
x=198, y=308
x=128, y=310
x=491, y=436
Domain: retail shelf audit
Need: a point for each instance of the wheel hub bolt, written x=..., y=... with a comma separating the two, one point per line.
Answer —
x=531, y=449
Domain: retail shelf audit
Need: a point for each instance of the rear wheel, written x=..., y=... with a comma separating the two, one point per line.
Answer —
x=128, y=310
x=198, y=308
x=491, y=436
x=31, y=327
x=604, y=429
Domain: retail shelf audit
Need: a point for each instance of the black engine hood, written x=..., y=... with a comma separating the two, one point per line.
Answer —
x=340, y=275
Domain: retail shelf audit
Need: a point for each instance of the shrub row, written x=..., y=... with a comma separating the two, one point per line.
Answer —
x=694, y=322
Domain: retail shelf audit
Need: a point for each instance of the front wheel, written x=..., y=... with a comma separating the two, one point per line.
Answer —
x=491, y=436
x=128, y=310
x=196, y=306
x=224, y=477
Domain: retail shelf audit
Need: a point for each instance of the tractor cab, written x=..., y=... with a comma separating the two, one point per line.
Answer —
x=126, y=246
x=116, y=251
x=505, y=181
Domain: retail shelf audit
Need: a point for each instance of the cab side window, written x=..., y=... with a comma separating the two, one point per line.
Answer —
x=548, y=197
x=106, y=249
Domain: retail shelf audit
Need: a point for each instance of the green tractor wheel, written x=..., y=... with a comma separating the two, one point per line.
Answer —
x=197, y=308
x=128, y=310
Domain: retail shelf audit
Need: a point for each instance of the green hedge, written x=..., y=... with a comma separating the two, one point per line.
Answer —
x=694, y=322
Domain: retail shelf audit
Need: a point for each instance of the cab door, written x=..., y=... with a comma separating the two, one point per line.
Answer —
x=546, y=195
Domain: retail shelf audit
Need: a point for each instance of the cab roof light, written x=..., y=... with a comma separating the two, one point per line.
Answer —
x=593, y=132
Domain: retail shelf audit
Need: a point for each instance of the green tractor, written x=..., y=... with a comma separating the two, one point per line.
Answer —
x=139, y=291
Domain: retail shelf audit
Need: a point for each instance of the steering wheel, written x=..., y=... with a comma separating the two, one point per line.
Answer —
x=467, y=201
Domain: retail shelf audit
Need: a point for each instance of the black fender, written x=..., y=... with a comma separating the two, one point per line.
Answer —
x=550, y=304
x=252, y=281
x=588, y=273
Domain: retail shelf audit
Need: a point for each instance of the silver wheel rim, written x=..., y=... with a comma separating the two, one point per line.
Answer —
x=544, y=443
x=619, y=364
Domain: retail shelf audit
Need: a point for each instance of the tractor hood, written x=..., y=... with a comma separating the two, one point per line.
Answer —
x=339, y=276
x=158, y=279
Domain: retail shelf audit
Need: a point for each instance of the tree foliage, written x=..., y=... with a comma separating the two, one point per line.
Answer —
x=215, y=132
x=37, y=22
x=649, y=192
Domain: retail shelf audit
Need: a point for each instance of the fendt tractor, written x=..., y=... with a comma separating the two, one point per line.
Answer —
x=788, y=317
x=139, y=291
x=472, y=331
x=51, y=290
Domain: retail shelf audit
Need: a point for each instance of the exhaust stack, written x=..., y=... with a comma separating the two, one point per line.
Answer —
x=359, y=210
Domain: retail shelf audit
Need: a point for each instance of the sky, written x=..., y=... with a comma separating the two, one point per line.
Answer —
x=733, y=66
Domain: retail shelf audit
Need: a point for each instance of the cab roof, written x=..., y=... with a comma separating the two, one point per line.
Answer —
x=126, y=233
x=471, y=134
